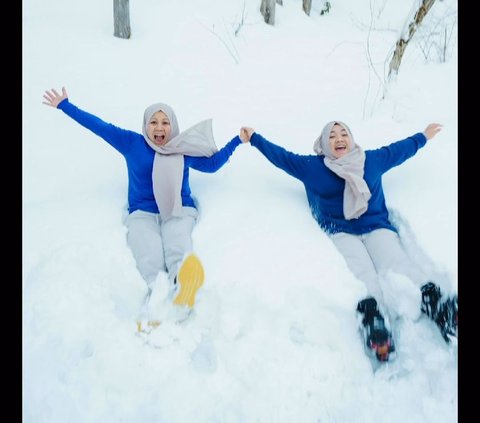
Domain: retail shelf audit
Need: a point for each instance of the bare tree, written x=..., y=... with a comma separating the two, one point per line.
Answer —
x=267, y=8
x=404, y=39
x=307, y=6
x=121, y=19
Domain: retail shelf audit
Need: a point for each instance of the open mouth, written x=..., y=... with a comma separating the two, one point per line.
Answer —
x=340, y=147
x=159, y=138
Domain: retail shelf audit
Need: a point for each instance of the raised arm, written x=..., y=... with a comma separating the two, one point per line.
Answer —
x=295, y=165
x=118, y=138
x=398, y=152
x=216, y=161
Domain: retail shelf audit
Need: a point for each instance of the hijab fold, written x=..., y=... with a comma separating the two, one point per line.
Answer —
x=168, y=163
x=349, y=167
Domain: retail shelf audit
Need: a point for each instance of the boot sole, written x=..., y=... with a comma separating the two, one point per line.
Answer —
x=190, y=277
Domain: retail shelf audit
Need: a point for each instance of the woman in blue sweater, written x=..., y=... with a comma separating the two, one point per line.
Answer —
x=162, y=212
x=343, y=184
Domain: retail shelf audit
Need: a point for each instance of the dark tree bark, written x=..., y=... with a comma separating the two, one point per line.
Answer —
x=267, y=8
x=307, y=6
x=403, y=42
x=121, y=19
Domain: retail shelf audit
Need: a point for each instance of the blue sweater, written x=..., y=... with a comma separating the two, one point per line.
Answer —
x=139, y=158
x=325, y=189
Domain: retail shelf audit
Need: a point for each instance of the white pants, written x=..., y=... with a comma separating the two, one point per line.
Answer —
x=376, y=252
x=159, y=245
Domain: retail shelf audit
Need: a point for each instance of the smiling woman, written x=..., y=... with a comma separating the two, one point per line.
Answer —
x=162, y=213
x=340, y=140
x=343, y=184
x=158, y=128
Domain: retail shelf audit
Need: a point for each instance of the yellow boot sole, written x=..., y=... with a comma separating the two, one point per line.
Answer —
x=190, y=277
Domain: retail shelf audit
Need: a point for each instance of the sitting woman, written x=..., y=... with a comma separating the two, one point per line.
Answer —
x=344, y=189
x=161, y=209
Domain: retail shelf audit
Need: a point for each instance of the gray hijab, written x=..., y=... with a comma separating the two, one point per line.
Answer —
x=167, y=175
x=349, y=167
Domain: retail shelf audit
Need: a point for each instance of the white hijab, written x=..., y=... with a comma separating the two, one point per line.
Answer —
x=349, y=167
x=168, y=163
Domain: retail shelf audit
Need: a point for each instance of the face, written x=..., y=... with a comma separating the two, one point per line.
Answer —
x=158, y=129
x=340, y=143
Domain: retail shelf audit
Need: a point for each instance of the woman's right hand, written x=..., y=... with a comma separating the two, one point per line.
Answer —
x=53, y=98
x=432, y=129
x=246, y=133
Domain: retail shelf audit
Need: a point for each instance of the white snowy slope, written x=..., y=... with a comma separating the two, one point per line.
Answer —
x=273, y=337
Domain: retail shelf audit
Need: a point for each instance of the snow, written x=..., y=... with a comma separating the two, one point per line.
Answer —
x=273, y=337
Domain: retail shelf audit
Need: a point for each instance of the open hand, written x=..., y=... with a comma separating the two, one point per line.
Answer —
x=53, y=98
x=432, y=130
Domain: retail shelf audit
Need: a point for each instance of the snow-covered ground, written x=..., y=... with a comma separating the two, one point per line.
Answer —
x=274, y=336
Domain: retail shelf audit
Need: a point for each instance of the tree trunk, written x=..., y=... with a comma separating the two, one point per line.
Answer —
x=267, y=8
x=121, y=19
x=402, y=43
x=307, y=6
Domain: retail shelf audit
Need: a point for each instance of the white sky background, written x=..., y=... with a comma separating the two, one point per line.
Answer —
x=274, y=336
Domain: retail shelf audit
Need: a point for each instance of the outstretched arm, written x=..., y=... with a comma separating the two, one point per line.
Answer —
x=294, y=164
x=216, y=161
x=53, y=98
x=396, y=153
x=118, y=138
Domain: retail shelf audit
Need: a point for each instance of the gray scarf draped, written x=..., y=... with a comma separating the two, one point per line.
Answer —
x=168, y=163
x=349, y=167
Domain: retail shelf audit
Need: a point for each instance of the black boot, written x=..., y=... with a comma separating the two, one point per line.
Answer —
x=377, y=335
x=444, y=312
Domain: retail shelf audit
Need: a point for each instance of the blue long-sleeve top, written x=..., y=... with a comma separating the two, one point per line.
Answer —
x=139, y=158
x=325, y=188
